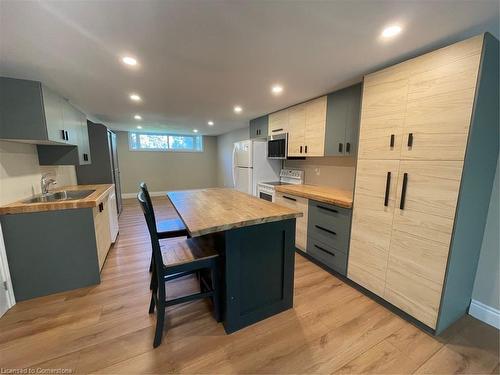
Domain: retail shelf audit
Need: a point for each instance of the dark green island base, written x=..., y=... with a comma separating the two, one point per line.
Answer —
x=259, y=263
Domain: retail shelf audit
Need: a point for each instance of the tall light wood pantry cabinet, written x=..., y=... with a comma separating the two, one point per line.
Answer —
x=428, y=148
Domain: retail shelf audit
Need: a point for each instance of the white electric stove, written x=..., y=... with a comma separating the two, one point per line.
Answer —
x=266, y=190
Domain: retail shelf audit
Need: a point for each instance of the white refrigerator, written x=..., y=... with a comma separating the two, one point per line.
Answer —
x=251, y=165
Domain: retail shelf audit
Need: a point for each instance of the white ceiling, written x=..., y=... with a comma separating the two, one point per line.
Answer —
x=199, y=58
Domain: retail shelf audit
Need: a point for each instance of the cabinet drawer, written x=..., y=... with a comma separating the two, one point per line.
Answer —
x=336, y=236
x=326, y=254
x=329, y=224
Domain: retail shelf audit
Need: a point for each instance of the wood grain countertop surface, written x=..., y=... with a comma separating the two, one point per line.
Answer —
x=219, y=209
x=100, y=193
x=325, y=194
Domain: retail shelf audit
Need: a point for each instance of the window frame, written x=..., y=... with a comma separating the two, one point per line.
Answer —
x=138, y=133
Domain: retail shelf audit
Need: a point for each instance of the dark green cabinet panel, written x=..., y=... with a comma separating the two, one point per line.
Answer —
x=259, y=269
x=259, y=126
x=342, y=121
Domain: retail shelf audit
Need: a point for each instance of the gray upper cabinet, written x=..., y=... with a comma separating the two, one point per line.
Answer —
x=31, y=112
x=342, y=121
x=52, y=112
x=84, y=143
x=259, y=126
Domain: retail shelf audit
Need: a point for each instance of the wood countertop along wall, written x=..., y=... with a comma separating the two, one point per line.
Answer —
x=101, y=192
x=325, y=194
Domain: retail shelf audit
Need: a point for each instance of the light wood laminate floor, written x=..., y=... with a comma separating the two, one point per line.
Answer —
x=332, y=328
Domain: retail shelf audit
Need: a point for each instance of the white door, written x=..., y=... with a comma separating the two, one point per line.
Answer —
x=6, y=296
x=243, y=154
x=243, y=179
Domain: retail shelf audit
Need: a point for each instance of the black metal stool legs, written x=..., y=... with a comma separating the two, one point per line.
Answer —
x=216, y=298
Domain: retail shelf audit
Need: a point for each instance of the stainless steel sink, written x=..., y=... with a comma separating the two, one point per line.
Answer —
x=64, y=195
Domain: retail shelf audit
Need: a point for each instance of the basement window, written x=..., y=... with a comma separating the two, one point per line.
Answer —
x=164, y=142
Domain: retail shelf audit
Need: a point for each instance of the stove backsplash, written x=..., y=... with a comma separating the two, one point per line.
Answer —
x=338, y=172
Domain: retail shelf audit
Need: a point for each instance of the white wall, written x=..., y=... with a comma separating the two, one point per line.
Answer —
x=225, y=154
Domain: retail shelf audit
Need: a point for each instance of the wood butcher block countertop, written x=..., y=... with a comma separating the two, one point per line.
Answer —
x=325, y=194
x=215, y=210
x=101, y=191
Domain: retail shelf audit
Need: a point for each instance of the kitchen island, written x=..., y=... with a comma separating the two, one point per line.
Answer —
x=256, y=241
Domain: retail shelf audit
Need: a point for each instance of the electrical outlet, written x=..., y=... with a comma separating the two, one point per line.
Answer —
x=317, y=171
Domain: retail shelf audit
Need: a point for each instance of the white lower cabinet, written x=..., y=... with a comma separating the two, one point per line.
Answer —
x=102, y=230
x=299, y=204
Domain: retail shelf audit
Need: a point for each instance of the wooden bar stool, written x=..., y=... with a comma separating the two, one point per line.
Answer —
x=188, y=257
x=168, y=228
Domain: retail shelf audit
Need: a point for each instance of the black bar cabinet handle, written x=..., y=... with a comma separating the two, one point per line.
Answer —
x=340, y=147
x=327, y=209
x=67, y=137
x=403, y=192
x=101, y=207
x=63, y=135
x=324, y=250
x=290, y=198
x=347, y=147
x=305, y=149
x=387, y=189
x=277, y=130
x=301, y=149
x=410, y=139
x=326, y=230
x=392, y=140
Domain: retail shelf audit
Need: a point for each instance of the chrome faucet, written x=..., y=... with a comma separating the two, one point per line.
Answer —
x=45, y=182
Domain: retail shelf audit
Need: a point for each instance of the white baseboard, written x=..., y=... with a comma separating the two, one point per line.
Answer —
x=485, y=313
x=151, y=193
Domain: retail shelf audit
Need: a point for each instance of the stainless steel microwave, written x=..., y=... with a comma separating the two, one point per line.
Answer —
x=277, y=146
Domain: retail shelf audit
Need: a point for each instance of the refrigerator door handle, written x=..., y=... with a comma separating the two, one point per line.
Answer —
x=234, y=166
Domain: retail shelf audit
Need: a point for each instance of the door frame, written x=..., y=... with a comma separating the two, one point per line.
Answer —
x=5, y=273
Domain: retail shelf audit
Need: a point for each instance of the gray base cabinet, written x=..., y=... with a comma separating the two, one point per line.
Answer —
x=328, y=235
x=51, y=251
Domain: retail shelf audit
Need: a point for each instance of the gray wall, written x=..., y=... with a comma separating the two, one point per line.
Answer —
x=225, y=155
x=487, y=283
x=164, y=171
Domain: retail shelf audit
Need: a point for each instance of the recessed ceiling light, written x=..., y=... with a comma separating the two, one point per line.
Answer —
x=391, y=31
x=277, y=89
x=135, y=97
x=195, y=130
x=210, y=123
x=127, y=60
x=237, y=109
x=139, y=127
x=138, y=117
